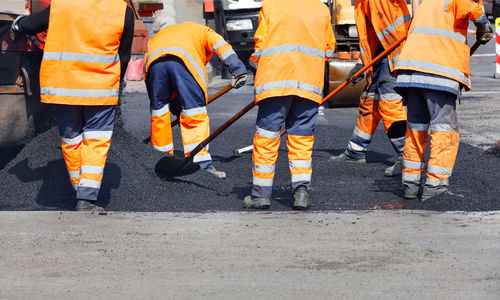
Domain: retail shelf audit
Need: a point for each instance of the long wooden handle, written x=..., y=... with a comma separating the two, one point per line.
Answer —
x=221, y=129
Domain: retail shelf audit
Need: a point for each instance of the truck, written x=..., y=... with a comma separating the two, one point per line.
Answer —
x=237, y=21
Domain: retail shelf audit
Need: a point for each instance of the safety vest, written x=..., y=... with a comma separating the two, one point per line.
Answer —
x=191, y=42
x=437, y=43
x=292, y=42
x=80, y=63
x=384, y=22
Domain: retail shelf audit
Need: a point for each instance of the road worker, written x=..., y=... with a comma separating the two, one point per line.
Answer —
x=176, y=80
x=86, y=53
x=380, y=24
x=292, y=42
x=431, y=70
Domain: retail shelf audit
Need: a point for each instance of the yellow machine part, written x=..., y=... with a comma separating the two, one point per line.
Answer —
x=343, y=12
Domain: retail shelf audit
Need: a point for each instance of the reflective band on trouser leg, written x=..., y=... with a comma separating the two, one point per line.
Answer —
x=161, y=130
x=299, y=158
x=195, y=128
x=72, y=148
x=413, y=154
x=265, y=153
x=366, y=125
x=444, y=148
x=94, y=153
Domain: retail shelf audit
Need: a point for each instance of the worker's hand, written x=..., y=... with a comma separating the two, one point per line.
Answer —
x=484, y=34
x=15, y=34
x=355, y=70
x=238, y=81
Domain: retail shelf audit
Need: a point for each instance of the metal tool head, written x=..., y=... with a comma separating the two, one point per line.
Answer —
x=172, y=166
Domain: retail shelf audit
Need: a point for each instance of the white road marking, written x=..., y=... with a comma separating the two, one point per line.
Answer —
x=484, y=55
x=480, y=93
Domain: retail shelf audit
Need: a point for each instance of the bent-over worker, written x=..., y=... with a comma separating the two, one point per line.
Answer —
x=176, y=80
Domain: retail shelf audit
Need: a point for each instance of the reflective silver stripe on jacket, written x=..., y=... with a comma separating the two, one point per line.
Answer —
x=394, y=60
x=329, y=53
x=257, y=53
x=413, y=77
x=190, y=147
x=263, y=168
x=194, y=111
x=91, y=169
x=166, y=148
x=86, y=93
x=410, y=63
x=202, y=157
x=95, y=135
x=386, y=31
x=362, y=51
x=90, y=58
x=446, y=6
x=439, y=170
x=301, y=177
x=160, y=112
x=226, y=54
x=306, y=164
x=266, y=133
x=289, y=84
x=219, y=44
x=413, y=164
x=95, y=184
x=187, y=54
x=440, y=32
x=72, y=141
x=417, y=126
x=360, y=133
x=436, y=182
x=443, y=128
x=411, y=177
x=74, y=174
x=293, y=48
x=262, y=182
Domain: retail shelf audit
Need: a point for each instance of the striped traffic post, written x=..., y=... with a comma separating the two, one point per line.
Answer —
x=497, y=47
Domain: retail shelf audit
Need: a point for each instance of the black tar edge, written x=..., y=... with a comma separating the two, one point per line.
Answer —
x=37, y=179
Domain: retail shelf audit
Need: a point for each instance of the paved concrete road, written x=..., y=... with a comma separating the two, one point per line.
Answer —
x=345, y=255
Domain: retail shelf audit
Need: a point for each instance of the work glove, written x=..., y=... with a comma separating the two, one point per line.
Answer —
x=484, y=33
x=354, y=70
x=238, y=81
x=15, y=34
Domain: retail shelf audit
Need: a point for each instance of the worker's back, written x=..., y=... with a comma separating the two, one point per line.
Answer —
x=292, y=42
x=81, y=64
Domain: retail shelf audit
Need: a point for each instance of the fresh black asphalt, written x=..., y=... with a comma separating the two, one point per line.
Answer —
x=36, y=179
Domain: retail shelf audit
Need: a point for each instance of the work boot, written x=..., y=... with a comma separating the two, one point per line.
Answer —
x=86, y=205
x=212, y=170
x=300, y=198
x=430, y=192
x=344, y=157
x=254, y=202
x=410, y=191
x=393, y=170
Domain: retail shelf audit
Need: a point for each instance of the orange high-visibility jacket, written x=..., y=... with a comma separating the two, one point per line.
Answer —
x=291, y=44
x=191, y=42
x=80, y=63
x=384, y=21
x=437, y=43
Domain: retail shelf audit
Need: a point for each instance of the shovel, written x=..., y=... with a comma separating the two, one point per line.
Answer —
x=175, y=122
x=340, y=87
x=171, y=166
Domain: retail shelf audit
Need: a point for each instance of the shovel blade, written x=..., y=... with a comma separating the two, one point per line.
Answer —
x=172, y=166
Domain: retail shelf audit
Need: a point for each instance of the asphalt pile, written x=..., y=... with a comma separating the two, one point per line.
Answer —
x=36, y=179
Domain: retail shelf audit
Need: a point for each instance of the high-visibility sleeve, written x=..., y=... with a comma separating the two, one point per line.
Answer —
x=330, y=42
x=224, y=51
x=259, y=38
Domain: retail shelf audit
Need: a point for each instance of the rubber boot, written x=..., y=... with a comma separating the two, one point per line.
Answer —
x=258, y=203
x=301, y=199
x=86, y=205
x=344, y=158
x=410, y=191
x=393, y=170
